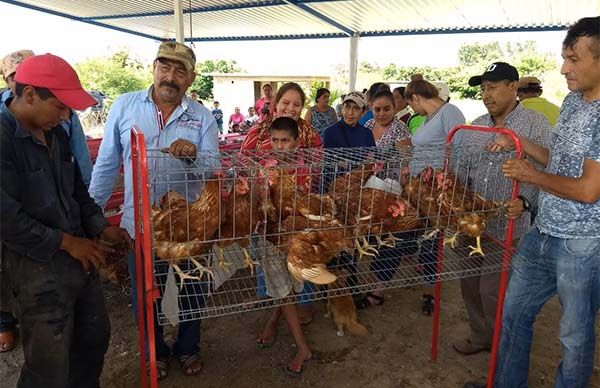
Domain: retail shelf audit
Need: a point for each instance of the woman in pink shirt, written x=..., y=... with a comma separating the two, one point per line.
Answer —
x=235, y=120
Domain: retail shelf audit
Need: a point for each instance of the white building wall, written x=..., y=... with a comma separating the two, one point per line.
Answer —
x=231, y=93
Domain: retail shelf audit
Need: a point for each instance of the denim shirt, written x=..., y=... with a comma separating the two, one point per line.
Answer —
x=43, y=195
x=77, y=141
x=576, y=137
x=190, y=121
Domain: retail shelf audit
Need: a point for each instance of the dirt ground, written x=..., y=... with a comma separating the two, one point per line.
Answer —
x=396, y=354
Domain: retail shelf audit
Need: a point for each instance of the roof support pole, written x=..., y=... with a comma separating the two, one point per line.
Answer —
x=353, y=68
x=177, y=7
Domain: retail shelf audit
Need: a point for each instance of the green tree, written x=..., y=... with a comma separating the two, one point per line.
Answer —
x=113, y=76
x=203, y=84
x=312, y=93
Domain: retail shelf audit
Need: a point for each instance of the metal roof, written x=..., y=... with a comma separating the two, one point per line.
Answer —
x=220, y=20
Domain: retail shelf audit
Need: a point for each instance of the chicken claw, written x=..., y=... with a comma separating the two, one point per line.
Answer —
x=362, y=252
x=248, y=261
x=392, y=240
x=182, y=275
x=476, y=249
x=451, y=240
x=384, y=243
x=431, y=234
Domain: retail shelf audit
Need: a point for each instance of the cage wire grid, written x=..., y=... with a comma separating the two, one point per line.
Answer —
x=244, y=266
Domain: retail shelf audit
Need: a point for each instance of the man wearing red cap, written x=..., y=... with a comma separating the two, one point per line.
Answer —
x=48, y=223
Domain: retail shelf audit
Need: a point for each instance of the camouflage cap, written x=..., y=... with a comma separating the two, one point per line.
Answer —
x=177, y=52
x=529, y=82
x=13, y=60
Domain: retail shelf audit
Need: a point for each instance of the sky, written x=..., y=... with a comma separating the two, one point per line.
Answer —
x=76, y=41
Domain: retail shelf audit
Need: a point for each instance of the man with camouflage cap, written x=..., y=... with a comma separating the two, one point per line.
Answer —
x=170, y=120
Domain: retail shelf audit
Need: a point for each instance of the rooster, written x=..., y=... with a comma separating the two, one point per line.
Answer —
x=181, y=231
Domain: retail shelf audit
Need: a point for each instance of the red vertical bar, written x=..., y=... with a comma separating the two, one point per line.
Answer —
x=144, y=266
x=505, y=258
x=437, y=301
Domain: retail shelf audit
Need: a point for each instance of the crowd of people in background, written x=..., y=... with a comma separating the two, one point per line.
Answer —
x=52, y=224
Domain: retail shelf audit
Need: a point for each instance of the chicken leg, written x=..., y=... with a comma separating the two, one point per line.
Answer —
x=451, y=240
x=222, y=263
x=248, y=261
x=476, y=249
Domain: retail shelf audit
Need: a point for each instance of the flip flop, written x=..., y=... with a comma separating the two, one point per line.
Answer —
x=162, y=368
x=191, y=364
x=7, y=338
x=264, y=343
x=292, y=373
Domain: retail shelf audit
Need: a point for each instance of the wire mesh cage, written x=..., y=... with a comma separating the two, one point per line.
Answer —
x=238, y=231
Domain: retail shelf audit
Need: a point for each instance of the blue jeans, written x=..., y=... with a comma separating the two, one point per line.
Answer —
x=543, y=267
x=191, y=299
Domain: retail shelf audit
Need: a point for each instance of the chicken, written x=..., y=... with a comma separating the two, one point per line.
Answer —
x=311, y=249
x=346, y=188
x=240, y=219
x=379, y=212
x=468, y=209
x=420, y=192
x=181, y=232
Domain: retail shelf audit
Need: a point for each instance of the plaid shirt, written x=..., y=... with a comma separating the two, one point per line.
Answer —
x=485, y=170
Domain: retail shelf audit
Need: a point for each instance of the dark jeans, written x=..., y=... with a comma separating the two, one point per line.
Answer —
x=191, y=298
x=7, y=321
x=64, y=324
x=386, y=264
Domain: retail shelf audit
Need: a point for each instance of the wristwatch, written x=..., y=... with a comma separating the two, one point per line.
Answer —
x=526, y=203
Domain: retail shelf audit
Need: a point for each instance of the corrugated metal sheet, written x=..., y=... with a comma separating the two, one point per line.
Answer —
x=278, y=19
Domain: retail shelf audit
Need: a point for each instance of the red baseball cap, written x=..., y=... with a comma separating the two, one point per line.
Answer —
x=55, y=74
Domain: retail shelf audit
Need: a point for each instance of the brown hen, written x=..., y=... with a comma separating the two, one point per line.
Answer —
x=184, y=231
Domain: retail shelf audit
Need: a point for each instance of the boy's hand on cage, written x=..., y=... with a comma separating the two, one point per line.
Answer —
x=501, y=143
x=183, y=149
x=117, y=236
x=514, y=209
x=85, y=251
x=520, y=170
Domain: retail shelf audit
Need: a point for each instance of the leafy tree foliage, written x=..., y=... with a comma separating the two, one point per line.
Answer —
x=203, y=84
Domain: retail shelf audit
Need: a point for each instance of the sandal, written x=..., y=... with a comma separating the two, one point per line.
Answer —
x=362, y=301
x=162, y=368
x=191, y=364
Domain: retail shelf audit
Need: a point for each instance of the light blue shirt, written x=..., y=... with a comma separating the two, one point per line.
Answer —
x=437, y=127
x=77, y=141
x=430, y=139
x=190, y=121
